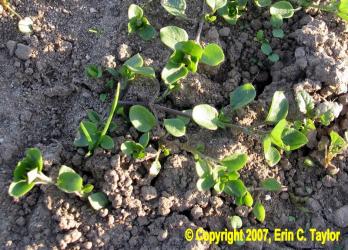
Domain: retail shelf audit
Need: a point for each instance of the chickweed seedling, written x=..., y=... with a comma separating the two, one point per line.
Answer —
x=187, y=54
x=28, y=173
x=139, y=24
x=25, y=25
x=266, y=47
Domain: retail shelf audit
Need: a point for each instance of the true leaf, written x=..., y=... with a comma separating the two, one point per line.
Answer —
x=135, y=61
x=141, y=118
x=272, y=155
x=175, y=7
x=278, y=33
x=87, y=189
x=283, y=8
x=144, y=71
x=172, y=72
x=248, y=199
x=266, y=48
x=277, y=133
x=242, y=96
x=93, y=116
x=202, y=168
x=337, y=143
x=132, y=149
x=274, y=57
x=175, y=127
x=94, y=71
x=20, y=188
x=259, y=212
x=235, y=162
x=98, y=200
x=271, y=185
x=107, y=142
x=205, y=183
x=147, y=32
x=205, y=116
x=171, y=35
x=276, y=21
x=305, y=102
x=235, y=188
x=294, y=139
x=279, y=108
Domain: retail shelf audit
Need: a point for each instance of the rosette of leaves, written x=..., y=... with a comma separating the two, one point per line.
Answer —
x=28, y=173
x=214, y=6
x=232, y=10
x=187, y=54
x=284, y=136
x=266, y=47
x=139, y=24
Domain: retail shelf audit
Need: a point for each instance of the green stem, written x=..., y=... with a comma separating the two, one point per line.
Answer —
x=43, y=179
x=111, y=114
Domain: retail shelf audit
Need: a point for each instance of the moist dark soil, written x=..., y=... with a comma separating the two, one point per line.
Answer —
x=44, y=94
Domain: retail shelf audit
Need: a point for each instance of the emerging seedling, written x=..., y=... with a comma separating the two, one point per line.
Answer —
x=139, y=24
x=187, y=54
x=266, y=47
x=337, y=146
x=28, y=173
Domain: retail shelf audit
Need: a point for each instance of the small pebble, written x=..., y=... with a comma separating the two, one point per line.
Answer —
x=23, y=52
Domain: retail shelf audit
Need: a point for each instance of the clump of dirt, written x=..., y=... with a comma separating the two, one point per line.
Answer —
x=45, y=95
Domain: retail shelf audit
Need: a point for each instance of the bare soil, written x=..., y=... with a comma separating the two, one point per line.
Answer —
x=44, y=97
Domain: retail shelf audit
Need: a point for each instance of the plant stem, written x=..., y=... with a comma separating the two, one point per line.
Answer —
x=43, y=179
x=201, y=22
x=111, y=114
x=156, y=106
x=7, y=6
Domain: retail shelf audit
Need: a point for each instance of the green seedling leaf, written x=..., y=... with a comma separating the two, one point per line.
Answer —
x=262, y=3
x=147, y=32
x=276, y=21
x=98, y=200
x=172, y=72
x=282, y=8
x=328, y=111
x=274, y=57
x=107, y=142
x=337, y=143
x=266, y=48
x=69, y=181
x=242, y=96
x=305, y=102
x=259, y=212
x=93, y=117
x=326, y=118
x=144, y=71
x=87, y=135
x=135, y=11
x=25, y=25
x=185, y=119
x=155, y=168
x=272, y=154
x=235, y=162
x=144, y=139
x=175, y=127
x=32, y=160
x=235, y=222
x=94, y=71
x=277, y=133
x=205, y=116
x=141, y=118
x=260, y=37
x=293, y=139
x=171, y=35
x=271, y=185
x=87, y=189
x=135, y=61
x=248, y=200
x=278, y=33
x=213, y=55
x=235, y=188
x=205, y=183
x=202, y=168
x=20, y=188
x=219, y=187
x=279, y=108
x=232, y=176
x=230, y=12
x=216, y=4
x=133, y=149
x=175, y=7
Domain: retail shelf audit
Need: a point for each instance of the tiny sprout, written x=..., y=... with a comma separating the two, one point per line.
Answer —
x=94, y=71
x=266, y=47
x=259, y=212
x=139, y=24
x=232, y=11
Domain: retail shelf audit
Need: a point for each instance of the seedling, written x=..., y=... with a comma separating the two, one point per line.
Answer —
x=28, y=173
x=232, y=10
x=187, y=54
x=90, y=133
x=266, y=47
x=214, y=6
x=337, y=146
x=25, y=25
x=139, y=24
